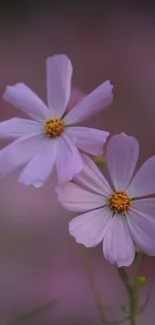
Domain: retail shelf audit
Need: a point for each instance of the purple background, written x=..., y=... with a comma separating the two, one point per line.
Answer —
x=39, y=261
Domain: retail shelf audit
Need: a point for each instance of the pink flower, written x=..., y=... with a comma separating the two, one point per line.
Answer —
x=51, y=137
x=120, y=215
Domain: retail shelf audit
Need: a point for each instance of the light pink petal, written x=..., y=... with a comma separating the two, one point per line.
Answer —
x=68, y=161
x=76, y=199
x=75, y=97
x=90, y=228
x=92, y=104
x=141, y=221
x=122, y=155
x=39, y=168
x=143, y=183
x=27, y=101
x=118, y=246
x=87, y=139
x=17, y=127
x=19, y=153
x=59, y=74
x=89, y=179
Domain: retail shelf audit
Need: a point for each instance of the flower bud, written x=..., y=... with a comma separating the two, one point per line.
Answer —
x=141, y=280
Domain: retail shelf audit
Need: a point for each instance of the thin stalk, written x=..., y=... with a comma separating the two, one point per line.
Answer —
x=132, y=296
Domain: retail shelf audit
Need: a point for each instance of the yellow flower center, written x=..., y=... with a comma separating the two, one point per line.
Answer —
x=54, y=127
x=119, y=202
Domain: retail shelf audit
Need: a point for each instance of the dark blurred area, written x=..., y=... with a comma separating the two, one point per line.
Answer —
x=16, y=10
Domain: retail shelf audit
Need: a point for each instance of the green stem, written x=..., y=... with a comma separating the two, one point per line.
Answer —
x=136, y=285
x=131, y=293
x=132, y=309
x=138, y=262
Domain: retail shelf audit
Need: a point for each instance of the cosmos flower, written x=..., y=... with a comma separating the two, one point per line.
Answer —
x=51, y=138
x=120, y=215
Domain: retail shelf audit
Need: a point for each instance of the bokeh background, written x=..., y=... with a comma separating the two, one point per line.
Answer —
x=39, y=261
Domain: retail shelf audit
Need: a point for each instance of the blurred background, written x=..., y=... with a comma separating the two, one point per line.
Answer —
x=39, y=262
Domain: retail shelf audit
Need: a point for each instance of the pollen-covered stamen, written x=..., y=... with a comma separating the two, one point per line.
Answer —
x=54, y=127
x=119, y=202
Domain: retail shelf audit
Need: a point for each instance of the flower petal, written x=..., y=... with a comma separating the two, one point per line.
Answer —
x=27, y=101
x=93, y=103
x=87, y=139
x=59, y=74
x=17, y=127
x=143, y=183
x=19, y=153
x=118, y=246
x=91, y=178
x=89, y=229
x=39, y=168
x=122, y=155
x=141, y=222
x=68, y=161
x=76, y=199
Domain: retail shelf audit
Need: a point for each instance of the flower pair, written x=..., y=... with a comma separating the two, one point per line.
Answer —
x=119, y=214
